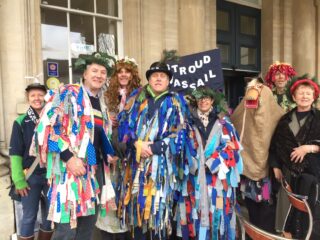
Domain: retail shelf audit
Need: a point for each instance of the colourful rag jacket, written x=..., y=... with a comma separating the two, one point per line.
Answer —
x=218, y=175
x=152, y=185
x=67, y=124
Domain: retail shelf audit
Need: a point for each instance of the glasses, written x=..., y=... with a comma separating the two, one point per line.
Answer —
x=205, y=99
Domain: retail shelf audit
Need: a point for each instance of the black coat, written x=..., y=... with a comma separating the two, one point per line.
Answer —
x=283, y=142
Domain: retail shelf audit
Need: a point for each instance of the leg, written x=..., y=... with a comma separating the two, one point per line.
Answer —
x=64, y=232
x=85, y=227
x=45, y=227
x=106, y=235
x=30, y=206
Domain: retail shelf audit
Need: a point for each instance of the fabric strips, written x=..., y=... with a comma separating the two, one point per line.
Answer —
x=67, y=125
x=215, y=183
x=157, y=180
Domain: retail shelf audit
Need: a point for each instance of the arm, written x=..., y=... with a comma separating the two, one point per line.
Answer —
x=16, y=152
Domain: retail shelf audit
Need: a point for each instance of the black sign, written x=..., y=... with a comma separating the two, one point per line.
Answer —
x=200, y=69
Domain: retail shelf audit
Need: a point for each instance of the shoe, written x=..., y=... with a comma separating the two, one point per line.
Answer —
x=44, y=235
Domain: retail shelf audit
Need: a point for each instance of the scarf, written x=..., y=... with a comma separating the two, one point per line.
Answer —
x=204, y=117
x=33, y=115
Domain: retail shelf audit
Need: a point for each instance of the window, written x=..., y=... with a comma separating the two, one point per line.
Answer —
x=73, y=27
x=238, y=36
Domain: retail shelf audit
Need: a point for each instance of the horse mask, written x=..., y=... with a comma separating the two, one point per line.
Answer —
x=256, y=118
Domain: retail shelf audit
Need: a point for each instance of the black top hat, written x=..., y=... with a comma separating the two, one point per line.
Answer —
x=159, y=67
x=36, y=86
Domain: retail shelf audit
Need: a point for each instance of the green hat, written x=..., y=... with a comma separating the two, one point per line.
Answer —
x=100, y=58
x=218, y=97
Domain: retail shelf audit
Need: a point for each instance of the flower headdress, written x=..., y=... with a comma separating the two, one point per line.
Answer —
x=127, y=60
x=284, y=68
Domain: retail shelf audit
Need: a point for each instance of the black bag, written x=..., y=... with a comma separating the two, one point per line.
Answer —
x=13, y=193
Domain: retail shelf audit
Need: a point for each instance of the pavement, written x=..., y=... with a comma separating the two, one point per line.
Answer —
x=6, y=204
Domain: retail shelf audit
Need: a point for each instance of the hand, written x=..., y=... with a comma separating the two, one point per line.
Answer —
x=114, y=121
x=145, y=149
x=23, y=192
x=278, y=174
x=112, y=159
x=76, y=166
x=298, y=153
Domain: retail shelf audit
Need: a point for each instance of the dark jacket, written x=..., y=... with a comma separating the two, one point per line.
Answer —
x=283, y=142
x=21, y=137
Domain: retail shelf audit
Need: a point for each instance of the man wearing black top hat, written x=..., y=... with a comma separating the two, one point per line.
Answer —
x=155, y=124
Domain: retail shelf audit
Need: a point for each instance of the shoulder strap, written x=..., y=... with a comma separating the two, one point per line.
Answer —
x=32, y=167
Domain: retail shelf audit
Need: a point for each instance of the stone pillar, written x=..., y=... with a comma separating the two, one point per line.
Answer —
x=132, y=29
x=13, y=62
x=171, y=24
x=191, y=26
x=210, y=25
x=304, y=39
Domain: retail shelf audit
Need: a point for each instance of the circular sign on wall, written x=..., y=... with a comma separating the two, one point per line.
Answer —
x=53, y=83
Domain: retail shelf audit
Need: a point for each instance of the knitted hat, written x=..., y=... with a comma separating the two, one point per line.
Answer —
x=100, y=58
x=284, y=68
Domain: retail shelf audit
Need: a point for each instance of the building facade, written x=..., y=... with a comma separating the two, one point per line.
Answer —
x=37, y=35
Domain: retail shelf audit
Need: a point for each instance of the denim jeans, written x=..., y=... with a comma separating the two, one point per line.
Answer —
x=30, y=205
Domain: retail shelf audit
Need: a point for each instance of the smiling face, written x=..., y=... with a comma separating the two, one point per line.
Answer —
x=95, y=77
x=159, y=82
x=124, y=77
x=280, y=80
x=204, y=104
x=36, y=99
x=304, y=97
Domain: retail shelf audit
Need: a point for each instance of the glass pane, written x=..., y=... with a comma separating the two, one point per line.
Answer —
x=248, y=25
x=81, y=38
x=222, y=20
x=224, y=52
x=106, y=35
x=248, y=56
x=60, y=3
x=107, y=7
x=54, y=34
x=85, y=5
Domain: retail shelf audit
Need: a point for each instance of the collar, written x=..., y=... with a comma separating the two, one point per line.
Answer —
x=289, y=114
x=153, y=95
x=91, y=94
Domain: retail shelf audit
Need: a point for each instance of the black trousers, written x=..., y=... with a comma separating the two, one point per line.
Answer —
x=115, y=236
x=262, y=214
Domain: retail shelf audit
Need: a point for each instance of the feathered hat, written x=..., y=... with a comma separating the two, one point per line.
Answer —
x=284, y=68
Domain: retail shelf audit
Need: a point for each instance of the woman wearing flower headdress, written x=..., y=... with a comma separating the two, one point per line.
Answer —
x=279, y=74
x=123, y=81
x=219, y=165
x=295, y=149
